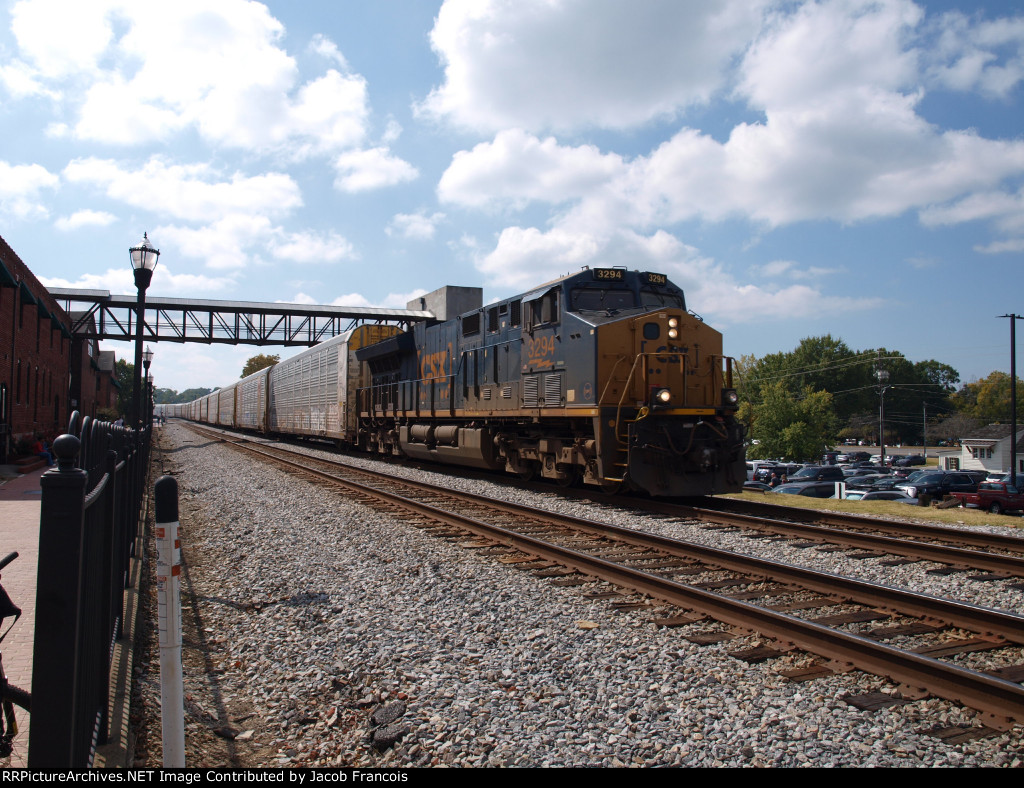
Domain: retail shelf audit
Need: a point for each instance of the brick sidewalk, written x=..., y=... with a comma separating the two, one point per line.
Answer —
x=20, y=500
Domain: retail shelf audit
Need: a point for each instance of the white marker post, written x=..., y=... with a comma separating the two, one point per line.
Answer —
x=168, y=592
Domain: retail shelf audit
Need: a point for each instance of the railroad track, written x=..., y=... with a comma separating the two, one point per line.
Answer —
x=907, y=542
x=793, y=607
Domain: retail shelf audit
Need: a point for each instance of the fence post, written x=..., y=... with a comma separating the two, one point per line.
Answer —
x=168, y=581
x=52, y=737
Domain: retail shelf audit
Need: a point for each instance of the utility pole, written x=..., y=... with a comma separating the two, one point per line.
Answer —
x=1013, y=396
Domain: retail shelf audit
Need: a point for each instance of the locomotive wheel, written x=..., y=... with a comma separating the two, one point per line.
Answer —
x=570, y=479
x=528, y=474
x=611, y=488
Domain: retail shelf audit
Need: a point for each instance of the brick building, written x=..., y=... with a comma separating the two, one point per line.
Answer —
x=35, y=348
x=37, y=375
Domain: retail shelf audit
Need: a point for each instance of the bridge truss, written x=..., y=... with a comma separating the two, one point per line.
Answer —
x=100, y=315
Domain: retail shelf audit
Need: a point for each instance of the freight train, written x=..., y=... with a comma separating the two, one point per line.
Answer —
x=602, y=377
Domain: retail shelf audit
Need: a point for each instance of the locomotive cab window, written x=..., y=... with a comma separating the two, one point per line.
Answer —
x=542, y=311
x=659, y=299
x=593, y=299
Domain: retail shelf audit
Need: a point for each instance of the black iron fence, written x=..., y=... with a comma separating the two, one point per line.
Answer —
x=91, y=509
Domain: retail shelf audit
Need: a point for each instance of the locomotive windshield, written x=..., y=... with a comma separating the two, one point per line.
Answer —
x=592, y=299
x=659, y=299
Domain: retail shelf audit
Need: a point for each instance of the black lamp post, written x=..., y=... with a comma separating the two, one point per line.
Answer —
x=147, y=359
x=144, y=259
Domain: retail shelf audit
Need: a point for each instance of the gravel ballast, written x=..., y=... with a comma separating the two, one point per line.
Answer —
x=323, y=633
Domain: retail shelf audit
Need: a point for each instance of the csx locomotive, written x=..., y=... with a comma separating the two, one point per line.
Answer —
x=601, y=376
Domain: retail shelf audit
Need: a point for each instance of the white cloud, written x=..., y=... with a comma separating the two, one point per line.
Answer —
x=121, y=281
x=987, y=56
x=60, y=38
x=374, y=168
x=196, y=192
x=1005, y=210
x=21, y=187
x=559, y=64
x=140, y=72
x=417, y=226
x=390, y=301
x=524, y=257
x=1002, y=247
x=299, y=298
x=519, y=167
x=325, y=48
x=20, y=82
x=239, y=241
x=307, y=247
x=85, y=218
x=224, y=244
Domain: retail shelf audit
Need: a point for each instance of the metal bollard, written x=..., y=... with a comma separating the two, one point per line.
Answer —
x=168, y=579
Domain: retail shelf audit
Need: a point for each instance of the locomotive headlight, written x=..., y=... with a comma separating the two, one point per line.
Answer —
x=673, y=333
x=663, y=396
x=730, y=398
x=673, y=323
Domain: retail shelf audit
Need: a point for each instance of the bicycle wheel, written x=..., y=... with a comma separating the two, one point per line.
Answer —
x=11, y=750
x=18, y=696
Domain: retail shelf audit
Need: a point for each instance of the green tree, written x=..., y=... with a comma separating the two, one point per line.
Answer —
x=258, y=362
x=125, y=374
x=171, y=397
x=913, y=391
x=788, y=427
x=988, y=399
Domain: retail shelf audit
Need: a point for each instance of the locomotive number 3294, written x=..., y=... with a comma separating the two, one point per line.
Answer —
x=540, y=351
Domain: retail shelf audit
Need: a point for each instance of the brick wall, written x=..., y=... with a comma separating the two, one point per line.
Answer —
x=35, y=353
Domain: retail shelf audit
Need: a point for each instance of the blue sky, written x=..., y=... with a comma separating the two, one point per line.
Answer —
x=800, y=168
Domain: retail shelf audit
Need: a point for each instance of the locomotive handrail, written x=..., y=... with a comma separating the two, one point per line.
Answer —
x=625, y=389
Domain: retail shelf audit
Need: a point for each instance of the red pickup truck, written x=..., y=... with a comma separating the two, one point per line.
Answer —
x=997, y=497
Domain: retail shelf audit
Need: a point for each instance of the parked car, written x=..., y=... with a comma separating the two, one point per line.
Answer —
x=997, y=497
x=764, y=473
x=757, y=487
x=818, y=473
x=939, y=483
x=910, y=460
x=810, y=489
x=874, y=481
x=880, y=495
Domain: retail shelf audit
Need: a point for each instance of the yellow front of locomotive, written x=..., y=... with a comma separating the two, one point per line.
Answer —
x=667, y=421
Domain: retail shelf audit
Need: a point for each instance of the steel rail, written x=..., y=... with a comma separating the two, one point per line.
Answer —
x=984, y=621
x=999, y=700
x=984, y=540
x=998, y=563
x=1005, y=565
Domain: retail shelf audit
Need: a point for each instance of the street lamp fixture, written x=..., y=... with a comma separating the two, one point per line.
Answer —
x=144, y=258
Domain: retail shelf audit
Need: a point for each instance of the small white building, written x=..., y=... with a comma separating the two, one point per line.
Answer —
x=989, y=449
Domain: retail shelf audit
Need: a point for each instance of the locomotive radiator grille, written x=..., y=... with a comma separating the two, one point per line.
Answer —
x=531, y=392
x=553, y=390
